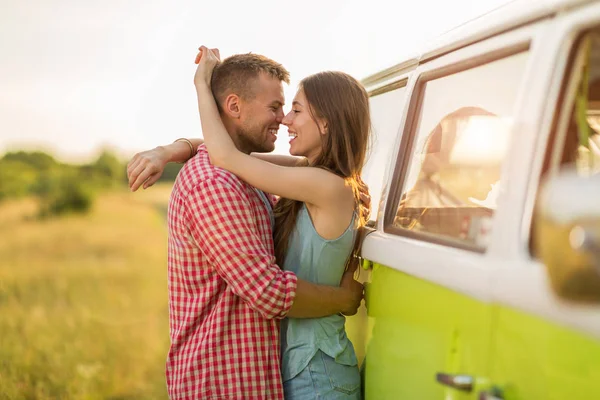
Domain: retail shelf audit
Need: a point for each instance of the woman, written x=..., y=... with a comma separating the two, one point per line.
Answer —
x=317, y=217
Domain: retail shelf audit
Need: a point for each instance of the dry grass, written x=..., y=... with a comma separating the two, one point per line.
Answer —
x=83, y=300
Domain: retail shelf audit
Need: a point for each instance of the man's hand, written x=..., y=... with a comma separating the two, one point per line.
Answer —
x=353, y=289
x=146, y=167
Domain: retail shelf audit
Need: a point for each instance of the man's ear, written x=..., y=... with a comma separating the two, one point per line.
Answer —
x=231, y=106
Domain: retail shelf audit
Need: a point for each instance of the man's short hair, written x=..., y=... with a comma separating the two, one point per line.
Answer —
x=238, y=73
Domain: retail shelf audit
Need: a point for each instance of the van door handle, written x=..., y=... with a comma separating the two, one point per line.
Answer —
x=491, y=395
x=459, y=382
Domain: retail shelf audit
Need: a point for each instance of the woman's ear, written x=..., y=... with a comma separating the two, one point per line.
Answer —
x=323, y=127
x=232, y=106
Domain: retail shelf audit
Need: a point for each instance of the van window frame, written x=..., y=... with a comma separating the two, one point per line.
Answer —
x=554, y=146
x=401, y=83
x=404, y=152
x=388, y=87
x=562, y=112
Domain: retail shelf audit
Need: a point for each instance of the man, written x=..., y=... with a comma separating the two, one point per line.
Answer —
x=226, y=293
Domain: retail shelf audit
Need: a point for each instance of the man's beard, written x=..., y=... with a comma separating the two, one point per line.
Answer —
x=249, y=142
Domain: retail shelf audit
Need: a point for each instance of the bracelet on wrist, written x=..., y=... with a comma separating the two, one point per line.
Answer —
x=192, y=150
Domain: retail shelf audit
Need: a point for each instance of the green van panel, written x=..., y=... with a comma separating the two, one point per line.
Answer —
x=536, y=359
x=359, y=327
x=416, y=329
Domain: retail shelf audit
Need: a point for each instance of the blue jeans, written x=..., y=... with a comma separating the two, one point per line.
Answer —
x=323, y=378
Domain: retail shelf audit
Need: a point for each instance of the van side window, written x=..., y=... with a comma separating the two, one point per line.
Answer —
x=386, y=112
x=575, y=141
x=461, y=138
x=577, y=144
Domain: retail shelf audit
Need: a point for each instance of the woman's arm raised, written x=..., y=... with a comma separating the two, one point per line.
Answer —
x=311, y=185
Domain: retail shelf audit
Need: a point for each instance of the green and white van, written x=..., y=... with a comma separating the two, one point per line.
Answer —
x=483, y=264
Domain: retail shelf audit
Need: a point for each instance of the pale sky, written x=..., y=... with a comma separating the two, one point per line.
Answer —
x=78, y=75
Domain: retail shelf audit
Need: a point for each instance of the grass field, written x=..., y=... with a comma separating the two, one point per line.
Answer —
x=83, y=300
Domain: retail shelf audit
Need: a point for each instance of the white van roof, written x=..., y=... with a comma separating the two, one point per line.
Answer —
x=506, y=17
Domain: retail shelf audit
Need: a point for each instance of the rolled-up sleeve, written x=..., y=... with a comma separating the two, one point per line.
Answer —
x=222, y=223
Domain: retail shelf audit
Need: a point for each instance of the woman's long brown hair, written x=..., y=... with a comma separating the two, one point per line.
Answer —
x=343, y=102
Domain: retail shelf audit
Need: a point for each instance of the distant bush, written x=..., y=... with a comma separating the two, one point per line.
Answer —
x=107, y=170
x=170, y=172
x=63, y=188
x=17, y=178
x=63, y=192
x=37, y=160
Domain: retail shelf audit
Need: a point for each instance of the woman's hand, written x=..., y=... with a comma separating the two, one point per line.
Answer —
x=206, y=59
x=146, y=167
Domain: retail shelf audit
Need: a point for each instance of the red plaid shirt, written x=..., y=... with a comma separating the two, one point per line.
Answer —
x=226, y=294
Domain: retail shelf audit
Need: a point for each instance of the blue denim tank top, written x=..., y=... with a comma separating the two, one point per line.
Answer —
x=320, y=261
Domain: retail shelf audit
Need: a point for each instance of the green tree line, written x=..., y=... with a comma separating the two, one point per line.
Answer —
x=61, y=187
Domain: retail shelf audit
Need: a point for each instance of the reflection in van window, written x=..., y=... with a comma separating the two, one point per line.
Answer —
x=453, y=179
x=577, y=145
x=386, y=112
x=583, y=135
